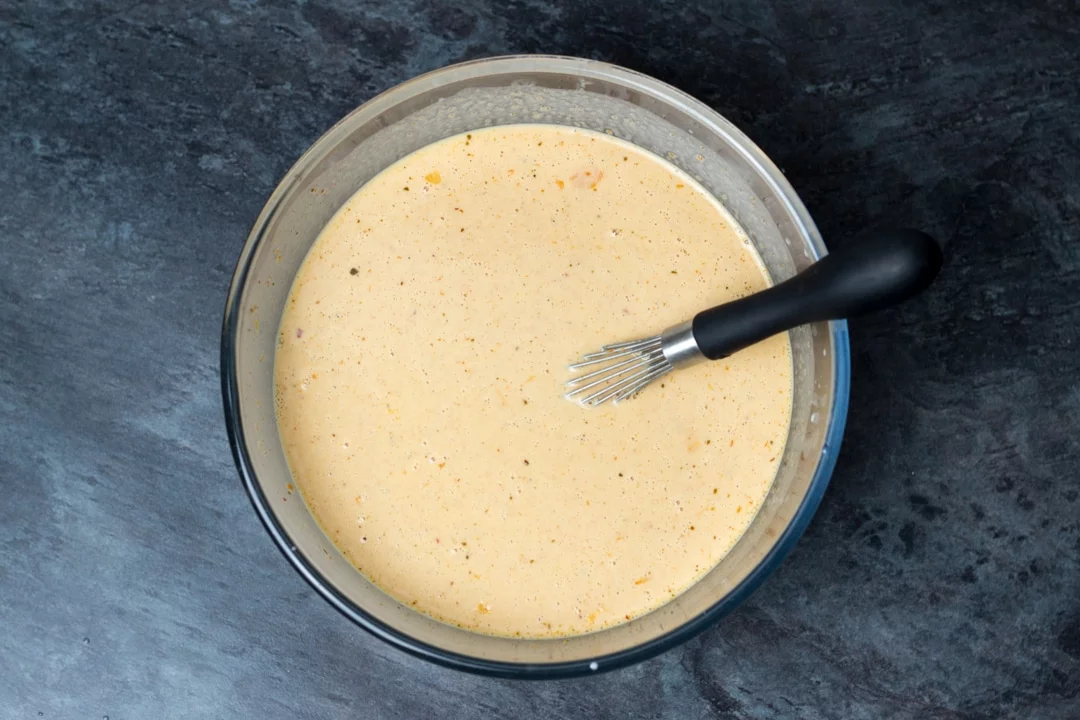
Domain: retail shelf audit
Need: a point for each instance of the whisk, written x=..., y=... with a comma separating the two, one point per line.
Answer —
x=882, y=269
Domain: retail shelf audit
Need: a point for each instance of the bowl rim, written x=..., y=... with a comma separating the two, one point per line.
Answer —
x=550, y=64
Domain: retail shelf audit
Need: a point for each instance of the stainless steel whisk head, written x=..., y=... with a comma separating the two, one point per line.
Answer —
x=625, y=368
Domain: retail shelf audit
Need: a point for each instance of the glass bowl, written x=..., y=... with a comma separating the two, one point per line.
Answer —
x=499, y=91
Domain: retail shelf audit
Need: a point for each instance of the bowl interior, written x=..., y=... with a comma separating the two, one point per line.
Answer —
x=503, y=91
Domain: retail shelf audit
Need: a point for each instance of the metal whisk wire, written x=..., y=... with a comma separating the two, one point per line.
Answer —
x=627, y=367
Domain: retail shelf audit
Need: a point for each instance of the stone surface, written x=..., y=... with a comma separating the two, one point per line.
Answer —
x=138, y=141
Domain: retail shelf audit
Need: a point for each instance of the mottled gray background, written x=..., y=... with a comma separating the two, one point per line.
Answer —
x=138, y=141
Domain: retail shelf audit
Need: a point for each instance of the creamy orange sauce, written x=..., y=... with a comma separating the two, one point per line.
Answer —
x=420, y=371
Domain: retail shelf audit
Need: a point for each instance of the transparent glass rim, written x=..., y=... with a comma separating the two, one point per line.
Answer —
x=511, y=65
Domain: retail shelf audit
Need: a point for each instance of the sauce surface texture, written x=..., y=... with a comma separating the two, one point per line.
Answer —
x=420, y=369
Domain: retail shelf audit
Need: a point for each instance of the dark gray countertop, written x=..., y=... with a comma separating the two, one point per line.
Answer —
x=940, y=579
